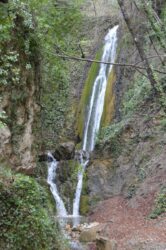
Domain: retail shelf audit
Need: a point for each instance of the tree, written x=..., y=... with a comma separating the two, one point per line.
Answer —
x=138, y=43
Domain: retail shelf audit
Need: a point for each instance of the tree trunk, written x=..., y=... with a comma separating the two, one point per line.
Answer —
x=157, y=27
x=138, y=44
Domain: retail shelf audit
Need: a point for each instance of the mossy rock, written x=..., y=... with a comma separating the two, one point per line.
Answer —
x=109, y=101
x=84, y=205
x=94, y=69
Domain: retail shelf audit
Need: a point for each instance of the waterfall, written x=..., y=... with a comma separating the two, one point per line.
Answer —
x=76, y=203
x=91, y=126
x=52, y=166
x=95, y=109
x=96, y=104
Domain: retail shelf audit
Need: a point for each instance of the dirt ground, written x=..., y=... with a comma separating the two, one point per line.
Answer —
x=129, y=225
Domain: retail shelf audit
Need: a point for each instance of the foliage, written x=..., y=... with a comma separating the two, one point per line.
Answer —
x=111, y=132
x=156, y=27
x=2, y=116
x=163, y=124
x=58, y=32
x=110, y=136
x=135, y=95
x=160, y=204
x=25, y=216
x=31, y=30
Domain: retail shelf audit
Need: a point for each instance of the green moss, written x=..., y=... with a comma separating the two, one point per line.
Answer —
x=109, y=102
x=86, y=93
x=84, y=205
x=26, y=215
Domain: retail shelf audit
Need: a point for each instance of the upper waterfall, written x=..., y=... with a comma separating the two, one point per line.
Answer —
x=96, y=103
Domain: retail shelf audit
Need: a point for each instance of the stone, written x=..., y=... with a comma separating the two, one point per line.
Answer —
x=5, y=136
x=65, y=151
x=103, y=243
x=44, y=157
x=90, y=232
x=68, y=227
x=26, y=170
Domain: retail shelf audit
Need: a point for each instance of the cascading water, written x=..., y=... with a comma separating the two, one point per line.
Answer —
x=91, y=127
x=96, y=104
x=95, y=109
x=76, y=203
x=61, y=210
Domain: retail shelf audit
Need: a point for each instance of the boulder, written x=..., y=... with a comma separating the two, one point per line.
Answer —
x=103, y=243
x=45, y=157
x=65, y=151
x=90, y=232
x=26, y=170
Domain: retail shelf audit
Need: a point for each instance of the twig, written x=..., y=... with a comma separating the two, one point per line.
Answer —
x=142, y=73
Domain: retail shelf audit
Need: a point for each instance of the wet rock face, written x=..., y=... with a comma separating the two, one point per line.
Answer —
x=65, y=151
x=105, y=179
x=137, y=163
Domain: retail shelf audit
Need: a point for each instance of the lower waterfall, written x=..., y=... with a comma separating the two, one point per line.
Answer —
x=76, y=203
x=61, y=210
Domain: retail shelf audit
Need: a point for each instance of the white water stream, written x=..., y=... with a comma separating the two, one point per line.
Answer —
x=76, y=203
x=61, y=210
x=95, y=108
x=92, y=124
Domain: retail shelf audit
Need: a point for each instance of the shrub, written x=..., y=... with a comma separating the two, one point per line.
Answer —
x=160, y=204
x=25, y=216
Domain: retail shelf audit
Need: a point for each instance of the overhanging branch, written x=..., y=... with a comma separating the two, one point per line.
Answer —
x=75, y=58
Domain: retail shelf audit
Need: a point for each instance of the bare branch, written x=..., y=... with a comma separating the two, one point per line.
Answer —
x=151, y=57
x=142, y=73
x=75, y=58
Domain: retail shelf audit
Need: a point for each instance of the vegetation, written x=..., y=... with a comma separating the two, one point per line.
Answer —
x=32, y=33
x=26, y=214
x=143, y=84
x=60, y=35
x=160, y=204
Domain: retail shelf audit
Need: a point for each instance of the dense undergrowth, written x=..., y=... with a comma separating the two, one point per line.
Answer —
x=26, y=216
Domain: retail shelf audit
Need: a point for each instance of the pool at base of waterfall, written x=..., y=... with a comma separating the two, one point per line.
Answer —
x=70, y=227
x=71, y=220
